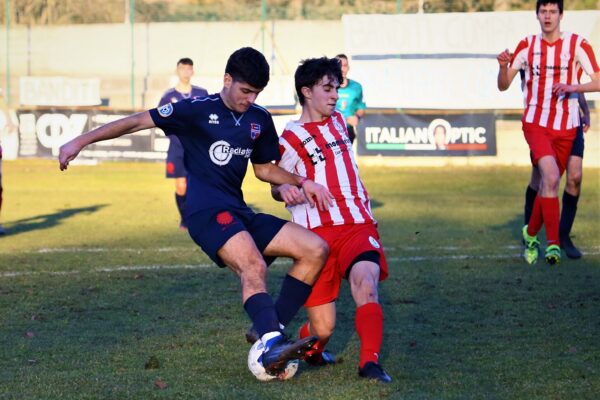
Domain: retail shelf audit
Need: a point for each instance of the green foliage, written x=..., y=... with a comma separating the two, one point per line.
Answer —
x=115, y=11
x=102, y=297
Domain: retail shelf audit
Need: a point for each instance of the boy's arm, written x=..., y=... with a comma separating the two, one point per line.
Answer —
x=505, y=73
x=123, y=126
x=276, y=175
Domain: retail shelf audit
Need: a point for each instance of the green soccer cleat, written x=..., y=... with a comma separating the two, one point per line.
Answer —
x=532, y=245
x=553, y=254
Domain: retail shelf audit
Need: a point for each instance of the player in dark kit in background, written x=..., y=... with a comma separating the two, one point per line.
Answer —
x=219, y=134
x=175, y=167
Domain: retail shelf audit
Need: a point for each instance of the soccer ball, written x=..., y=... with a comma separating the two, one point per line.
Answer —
x=256, y=367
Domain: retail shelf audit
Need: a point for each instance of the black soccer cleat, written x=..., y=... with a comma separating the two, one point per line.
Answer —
x=280, y=351
x=320, y=359
x=374, y=371
x=570, y=250
x=251, y=335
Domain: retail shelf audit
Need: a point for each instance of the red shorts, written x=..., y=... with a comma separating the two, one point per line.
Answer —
x=346, y=242
x=549, y=142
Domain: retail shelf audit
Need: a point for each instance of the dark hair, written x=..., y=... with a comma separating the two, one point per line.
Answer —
x=248, y=65
x=311, y=71
x=540, y=3
x=185, y=61
x=342, y=55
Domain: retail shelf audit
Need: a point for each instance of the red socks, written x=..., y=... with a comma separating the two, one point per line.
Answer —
x=551, y=215
x=303, y=332
x=546, y=210
x=369, y=326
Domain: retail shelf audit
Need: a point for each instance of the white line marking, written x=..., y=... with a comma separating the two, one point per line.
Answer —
x=281, y=261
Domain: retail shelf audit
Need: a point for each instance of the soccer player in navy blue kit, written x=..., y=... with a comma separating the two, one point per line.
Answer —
x=219, y=134
x=175, y=166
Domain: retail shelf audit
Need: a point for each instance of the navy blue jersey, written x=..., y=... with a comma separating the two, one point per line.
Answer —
x=217, y=145
x=173, y=96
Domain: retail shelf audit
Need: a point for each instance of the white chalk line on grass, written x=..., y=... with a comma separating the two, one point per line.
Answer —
x=191, y=248
x=132, y=268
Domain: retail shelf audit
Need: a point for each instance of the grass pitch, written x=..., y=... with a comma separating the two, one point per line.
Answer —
x=102, y=297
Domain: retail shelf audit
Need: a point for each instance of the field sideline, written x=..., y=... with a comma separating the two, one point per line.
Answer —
x=95, y=279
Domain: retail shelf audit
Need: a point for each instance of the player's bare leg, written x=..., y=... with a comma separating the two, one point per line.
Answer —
x=241, y=255
x=364, y=279
x=307, y=249
x=546, y=208
x=321, y=323
x=180, y=191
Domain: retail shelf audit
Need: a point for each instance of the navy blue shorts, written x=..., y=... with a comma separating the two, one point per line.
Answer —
x=175, y=166
x=212, y=228
x=578, y=143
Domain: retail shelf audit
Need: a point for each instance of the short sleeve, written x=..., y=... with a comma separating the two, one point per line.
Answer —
x=266, y=148
x=289, y=157
x=519, y=58
x=586, y=57
x=172, y=118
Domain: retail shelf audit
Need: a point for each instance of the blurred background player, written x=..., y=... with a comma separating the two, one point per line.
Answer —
x=572, y=187
x=219, y=220
x=551, y=113
x=350, y=101
x=175, y=166
x=318, y=146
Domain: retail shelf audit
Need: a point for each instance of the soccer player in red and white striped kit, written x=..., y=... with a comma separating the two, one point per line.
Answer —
x=318, y=147
x=552, y=61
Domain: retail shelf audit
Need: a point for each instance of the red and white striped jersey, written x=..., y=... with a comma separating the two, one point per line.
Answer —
x=322, y=152
x=546, y=64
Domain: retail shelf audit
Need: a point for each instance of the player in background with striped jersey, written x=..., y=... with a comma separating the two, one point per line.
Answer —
x=318, y=146
x=551, y=61
x=572, y=189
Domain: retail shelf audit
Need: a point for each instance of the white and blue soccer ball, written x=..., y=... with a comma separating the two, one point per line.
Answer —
x=257, y=369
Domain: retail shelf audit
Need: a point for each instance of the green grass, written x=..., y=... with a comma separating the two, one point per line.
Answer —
x=95, y=278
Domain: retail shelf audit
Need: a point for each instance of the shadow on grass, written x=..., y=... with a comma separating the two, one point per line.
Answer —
x=46, y=221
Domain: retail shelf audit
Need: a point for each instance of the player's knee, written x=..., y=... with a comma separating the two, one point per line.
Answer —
x=323, y=330
x=574, y=179
x=321, y=251
x=551, y=181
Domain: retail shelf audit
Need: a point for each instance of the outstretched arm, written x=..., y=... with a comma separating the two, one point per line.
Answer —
x=123, y=126
x=276, y=175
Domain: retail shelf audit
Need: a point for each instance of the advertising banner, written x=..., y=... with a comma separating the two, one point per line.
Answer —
x=427, y=135
x=43, y=131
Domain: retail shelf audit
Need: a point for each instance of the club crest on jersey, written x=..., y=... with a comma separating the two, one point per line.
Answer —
x=254, y=131
x=166, y=110
x=374, y=242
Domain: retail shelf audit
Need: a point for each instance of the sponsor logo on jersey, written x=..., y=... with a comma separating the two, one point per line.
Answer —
x=254, y=131
x=220, y=152
x=165, y=110
x=213, y=119
x=374, y=242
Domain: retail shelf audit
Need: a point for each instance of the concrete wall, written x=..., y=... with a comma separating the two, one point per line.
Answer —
x=104, y=51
